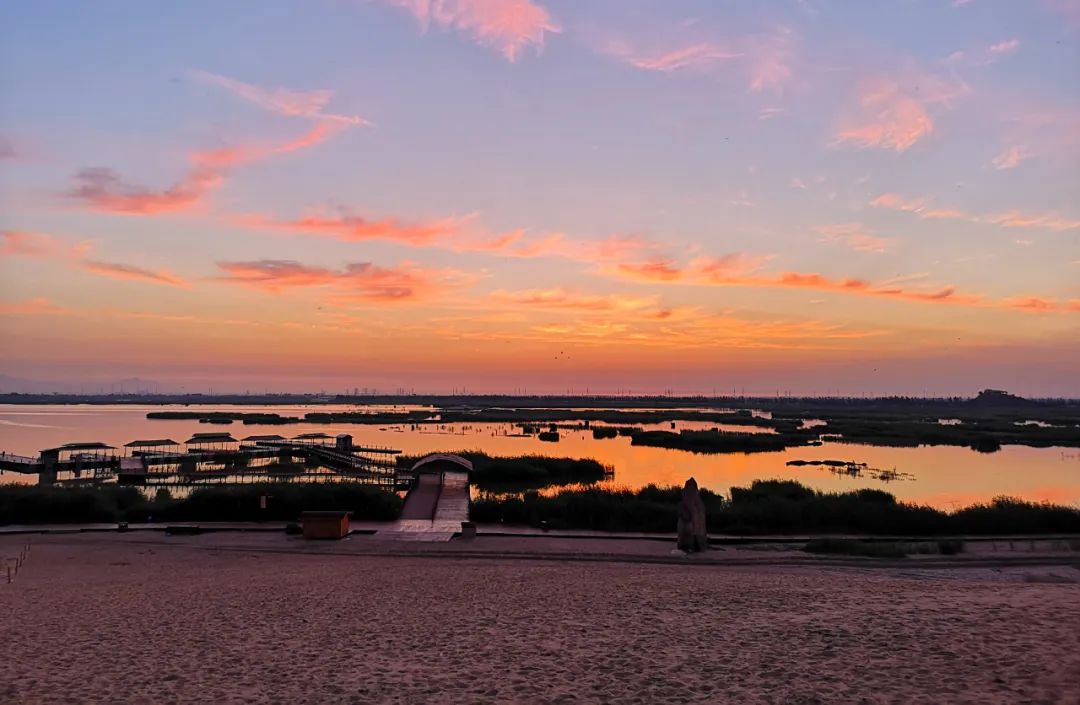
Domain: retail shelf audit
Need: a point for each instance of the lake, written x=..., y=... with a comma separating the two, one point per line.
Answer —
x=942, y=476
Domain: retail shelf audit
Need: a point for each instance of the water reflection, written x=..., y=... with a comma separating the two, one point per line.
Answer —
x=944, y=476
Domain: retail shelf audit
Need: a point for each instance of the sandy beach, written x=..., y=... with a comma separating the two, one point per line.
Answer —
x=229, y=618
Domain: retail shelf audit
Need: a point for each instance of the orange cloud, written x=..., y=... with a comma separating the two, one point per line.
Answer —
x=459, y=234
x=1034, y=303
x=508, y=26
x=657, y=270
x=733, y=264
x=738, y=270
x=704, y=270
x=560, y=298
x=33, y=307
x=859, y=286
x=127, y=271
x=357, y=281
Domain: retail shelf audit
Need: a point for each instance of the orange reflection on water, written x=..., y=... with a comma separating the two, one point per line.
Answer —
x=946, y=477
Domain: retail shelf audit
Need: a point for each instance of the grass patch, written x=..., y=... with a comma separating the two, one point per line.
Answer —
x=84, y=505
x=775, y=507
x=526, y=472
x=716, y=441
x=650, y=509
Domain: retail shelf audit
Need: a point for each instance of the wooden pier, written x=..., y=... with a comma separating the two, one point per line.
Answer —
x=214, y=458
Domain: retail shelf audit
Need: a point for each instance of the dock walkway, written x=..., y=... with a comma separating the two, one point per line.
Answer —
x=434, y=509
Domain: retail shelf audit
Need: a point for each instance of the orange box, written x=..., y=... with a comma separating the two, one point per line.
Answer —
x=325, y=525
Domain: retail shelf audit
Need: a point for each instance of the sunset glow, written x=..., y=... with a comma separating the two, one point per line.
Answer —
x=810, y=196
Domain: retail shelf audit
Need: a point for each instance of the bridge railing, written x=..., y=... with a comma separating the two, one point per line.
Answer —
x=13, y=458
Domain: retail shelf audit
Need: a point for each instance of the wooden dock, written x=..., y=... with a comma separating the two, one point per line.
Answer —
x=214, y=458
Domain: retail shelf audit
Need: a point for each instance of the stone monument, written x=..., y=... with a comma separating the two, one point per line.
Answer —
x=693, y=535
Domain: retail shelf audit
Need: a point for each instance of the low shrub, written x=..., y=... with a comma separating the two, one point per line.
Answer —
x=110, y=504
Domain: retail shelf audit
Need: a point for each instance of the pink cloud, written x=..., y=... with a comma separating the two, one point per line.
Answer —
x=947, y=294
x=226, y=157
x=358, y=281
x=695, y=56
x=1010, y=219
x=508, y=26
x=770, y=62
x=280, y=100
x=943, y=214
x=900, y=203
x=1011, y=157
x=743, y=272
x=612, y=248
x=767, y=59
x=919, y=206
x=23, y=244
x=17, y=243
x=459, y=234
x=126, y=271
x=1006, y=47
x=888, y=117
x=103, y=190
x=1019, y=219
x=855, y=236
x=350, y=228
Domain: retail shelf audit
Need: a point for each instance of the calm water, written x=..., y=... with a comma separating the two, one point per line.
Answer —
x=944, y=476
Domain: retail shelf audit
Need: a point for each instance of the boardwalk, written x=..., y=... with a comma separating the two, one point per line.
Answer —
x=437, y=504
x=213, y=458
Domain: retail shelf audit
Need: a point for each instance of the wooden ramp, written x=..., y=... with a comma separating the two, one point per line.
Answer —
x=434, y=509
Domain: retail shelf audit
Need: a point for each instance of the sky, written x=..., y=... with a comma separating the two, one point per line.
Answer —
x=604, y=196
